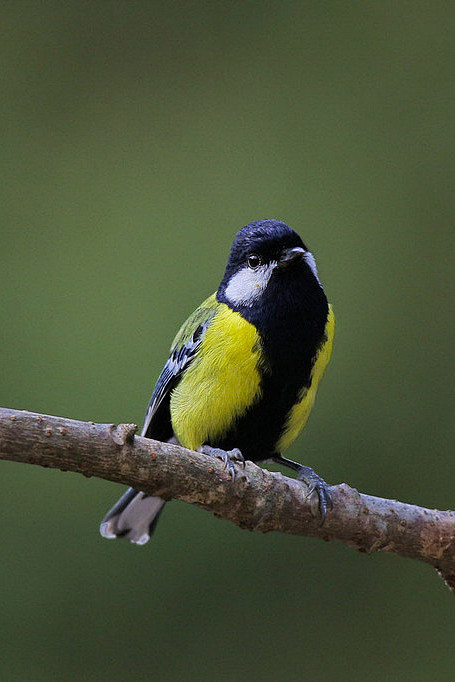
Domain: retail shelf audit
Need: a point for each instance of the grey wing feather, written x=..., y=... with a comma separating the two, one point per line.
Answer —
x=179, y=358
x=135, y=515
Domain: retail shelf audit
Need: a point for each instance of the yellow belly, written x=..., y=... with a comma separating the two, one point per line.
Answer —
x=299, y=414
x=222, y=381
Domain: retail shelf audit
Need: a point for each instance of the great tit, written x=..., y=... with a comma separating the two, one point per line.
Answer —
x=243, y=370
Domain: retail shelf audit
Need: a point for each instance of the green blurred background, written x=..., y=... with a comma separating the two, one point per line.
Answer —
x=136, y=138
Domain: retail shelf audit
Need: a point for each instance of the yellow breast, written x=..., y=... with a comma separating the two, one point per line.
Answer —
x=222, y=381
x=299, y=414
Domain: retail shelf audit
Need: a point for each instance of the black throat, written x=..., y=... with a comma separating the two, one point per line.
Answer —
x=290, y=317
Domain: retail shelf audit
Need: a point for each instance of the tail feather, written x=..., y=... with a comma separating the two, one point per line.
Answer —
x=134, y=516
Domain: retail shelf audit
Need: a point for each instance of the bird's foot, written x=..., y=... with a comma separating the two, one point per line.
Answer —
x=316, y=485
x=229, y=457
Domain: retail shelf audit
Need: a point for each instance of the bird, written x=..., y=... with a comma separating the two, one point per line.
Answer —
x=243, y=370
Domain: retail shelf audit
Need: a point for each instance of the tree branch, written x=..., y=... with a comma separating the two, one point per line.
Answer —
x=258, y=499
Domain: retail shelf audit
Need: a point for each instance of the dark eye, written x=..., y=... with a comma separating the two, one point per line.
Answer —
x=254, y=261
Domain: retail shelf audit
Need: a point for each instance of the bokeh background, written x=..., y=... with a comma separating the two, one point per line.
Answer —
x=136, y=138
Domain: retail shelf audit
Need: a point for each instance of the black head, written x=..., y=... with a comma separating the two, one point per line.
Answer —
x=264, y=252
x=267, y=238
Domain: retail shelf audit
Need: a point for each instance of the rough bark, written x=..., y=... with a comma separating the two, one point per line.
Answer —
x=257, y=500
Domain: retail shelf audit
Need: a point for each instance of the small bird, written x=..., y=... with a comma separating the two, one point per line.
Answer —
x=243, y=370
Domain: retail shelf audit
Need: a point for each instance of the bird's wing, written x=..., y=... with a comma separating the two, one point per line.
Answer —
x=183, y=349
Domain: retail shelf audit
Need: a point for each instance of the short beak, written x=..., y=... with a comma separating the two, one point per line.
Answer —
x=290, y=256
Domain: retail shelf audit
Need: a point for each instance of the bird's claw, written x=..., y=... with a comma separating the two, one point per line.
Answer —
x=228, y=457
x=236, y=456
x=317, y=485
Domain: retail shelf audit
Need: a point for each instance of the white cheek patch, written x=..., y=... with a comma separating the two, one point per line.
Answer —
x=310, y=261
x=247, y=284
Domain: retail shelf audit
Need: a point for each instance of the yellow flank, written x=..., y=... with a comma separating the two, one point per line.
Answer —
x=221, y=382
x=299, y=414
